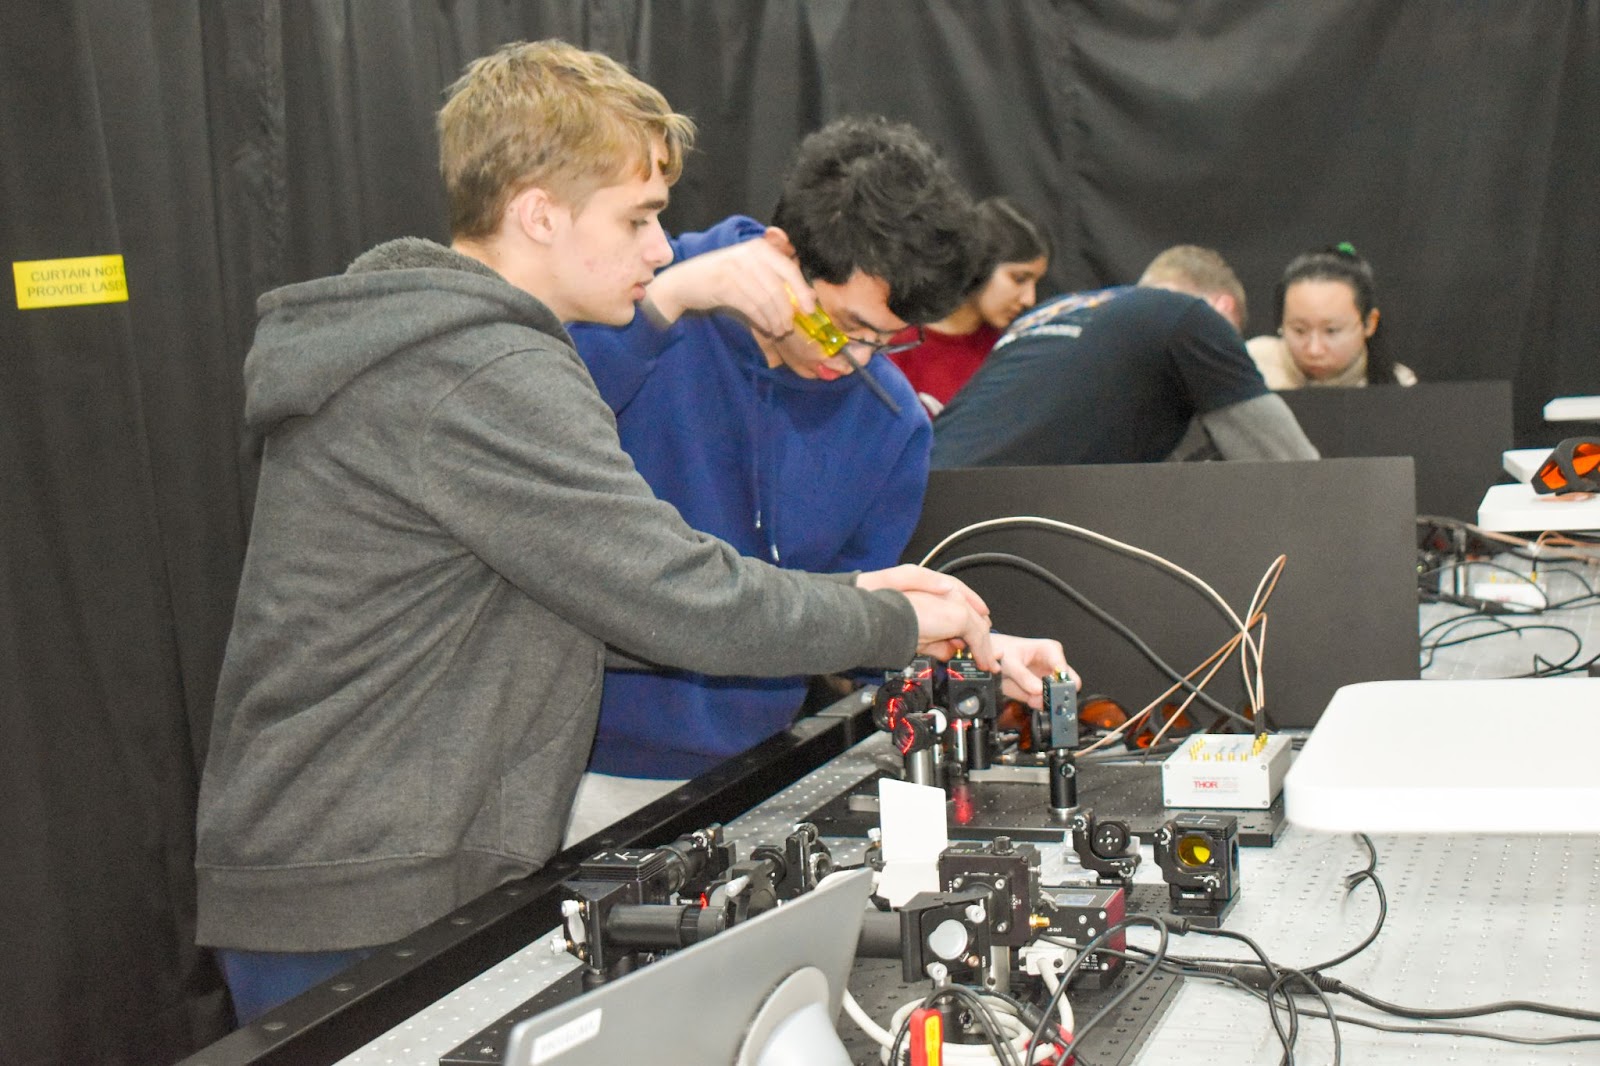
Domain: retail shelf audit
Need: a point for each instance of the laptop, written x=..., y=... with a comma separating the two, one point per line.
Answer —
x=758, y=991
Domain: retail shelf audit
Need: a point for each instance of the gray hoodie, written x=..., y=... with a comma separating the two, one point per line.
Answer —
x=447, y=537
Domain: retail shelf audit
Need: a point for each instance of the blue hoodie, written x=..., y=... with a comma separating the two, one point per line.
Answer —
x=806, y=474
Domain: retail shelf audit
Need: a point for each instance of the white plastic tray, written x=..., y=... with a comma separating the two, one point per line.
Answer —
x=1518, y=509
x=1491, y=756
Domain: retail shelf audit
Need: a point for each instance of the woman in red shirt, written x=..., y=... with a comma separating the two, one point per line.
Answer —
x=953, y=348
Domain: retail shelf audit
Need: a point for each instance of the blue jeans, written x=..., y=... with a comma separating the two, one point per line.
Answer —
x=261, y=980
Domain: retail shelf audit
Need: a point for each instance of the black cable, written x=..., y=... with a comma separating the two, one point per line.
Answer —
x=1099, y=540
x=1450, y=1030
x=985, y=1017
x=1282, y=985
x=1538, y=671
x=1455, y=622
x=1474, y=604
x=1171, y=965
x=1570, y=667
x=1338, y=987
x=1351, y=881
x=1450, y=642
x=1480, y=606
x=1083, y=953
x=899, y=1038
x=1250, y=978
x=1543, y=667
x=1370, y=1023
x=986, y=1021
x=1026, y=1012
x=1287, y=1038
x=1577, y=603
x=1518, y=574
x=1229, y=934
x=1589, y=593
x=1450, y=625
x=1116, y=1001
x=1305, y=975
x=1521, y=547
x=1098, y=613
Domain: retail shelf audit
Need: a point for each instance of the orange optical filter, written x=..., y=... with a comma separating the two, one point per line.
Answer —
x=1101, y=712
x=1145, y=735
x=1570, y=467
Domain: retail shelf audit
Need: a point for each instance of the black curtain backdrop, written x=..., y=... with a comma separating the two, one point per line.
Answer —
x=121, y=529
x=223, y=148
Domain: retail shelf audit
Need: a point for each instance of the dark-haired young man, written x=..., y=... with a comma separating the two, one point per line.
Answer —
x=762, y=439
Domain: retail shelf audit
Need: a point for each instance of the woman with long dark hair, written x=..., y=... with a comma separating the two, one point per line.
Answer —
x=1017, y=253
x=1327, y=326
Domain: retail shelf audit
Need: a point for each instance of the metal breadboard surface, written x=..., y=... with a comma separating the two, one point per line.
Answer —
x=1472, y=921
x=1127, y=791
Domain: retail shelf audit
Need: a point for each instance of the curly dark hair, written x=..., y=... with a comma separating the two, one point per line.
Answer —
x=873, y=195
x=1342, y=263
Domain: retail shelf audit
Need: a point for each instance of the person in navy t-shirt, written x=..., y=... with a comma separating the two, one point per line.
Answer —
x=1131, y=374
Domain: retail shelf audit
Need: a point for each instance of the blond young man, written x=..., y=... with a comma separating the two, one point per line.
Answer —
x=1201, y=272
x=448, y=541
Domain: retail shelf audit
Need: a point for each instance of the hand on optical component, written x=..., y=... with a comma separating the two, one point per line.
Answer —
x=949, y=614
x=1024, y=661
x=910, y=578
x=757, y=279
x=947, y=623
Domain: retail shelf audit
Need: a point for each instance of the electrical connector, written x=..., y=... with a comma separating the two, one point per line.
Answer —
x=1039, y=955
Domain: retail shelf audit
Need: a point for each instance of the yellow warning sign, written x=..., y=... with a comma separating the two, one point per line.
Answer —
x=90, y=279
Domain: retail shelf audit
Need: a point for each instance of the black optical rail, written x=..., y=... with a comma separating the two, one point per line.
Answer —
x=341, y=1015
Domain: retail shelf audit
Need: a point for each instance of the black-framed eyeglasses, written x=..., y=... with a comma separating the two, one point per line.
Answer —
x=888, y=347
x=877, y=348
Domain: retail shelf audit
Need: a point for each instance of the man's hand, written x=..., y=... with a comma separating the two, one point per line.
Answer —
x=1024, y=660
x=910, y=578
x=948, y=623
x=758, y=280
x=949, y=614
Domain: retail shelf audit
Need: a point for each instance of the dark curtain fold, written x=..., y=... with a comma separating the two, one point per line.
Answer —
x=121, y=533
x=225, y=148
